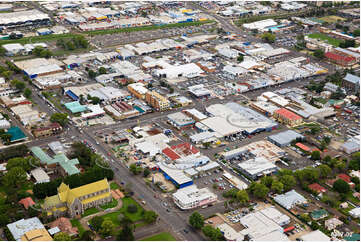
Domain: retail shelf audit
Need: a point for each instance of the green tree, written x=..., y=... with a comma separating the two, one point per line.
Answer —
x=146, y=172
x=315, y=155
x=27, y=93
x=20, y=162
x=268, y=37
x=134, y=169
x=214, y=234
x=354, y=163
x=196, y=220
x=356, y=33
x=102, y=70
x=325, y=171
x=6, y=138
x=277, y=186
x=87, y=235
x=70, y=45
x=150, y=217
x=2, y=51
x=97, y=222
x=341, y=186
x=260, y=190
x=92, y=74
x=126, y=234
x=15, y=177
x=320, y=54
x=242, y=197
x=18, y=84
x=288, y=182
x=107, y=228
x=267, y=181
x=240, y=58
x=61, y=118
x=62, y=236
x=132, y=208
x=4, y=220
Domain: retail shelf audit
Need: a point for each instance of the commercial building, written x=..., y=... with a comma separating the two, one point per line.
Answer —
x=289, y=199
x=137, y=89
x=16, y=134
x=284, y=138
x=108, y=94
x=259, y=227
x=180, y=121
x=30, y=229
x=157, y=101
x=14, y=49
x=351, y=82
x=235, y=181
x=75, y=107
x=51, y=129
x=192, y=197
x=40, y=67
x=67, y=167
x=26, y=114
x=276, y=216
x=257, y=167
x=76, y=92
x=75, y=201
x=23, y=18
x=350, y=146
x=176, y=176
x=199, y=91
x=287, y=117
x=195, y=114
x=316, y=235
x=266, y=108
x=187, y=70
x=260, y=25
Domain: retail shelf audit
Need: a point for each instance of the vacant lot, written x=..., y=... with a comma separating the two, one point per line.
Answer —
x=332, y=19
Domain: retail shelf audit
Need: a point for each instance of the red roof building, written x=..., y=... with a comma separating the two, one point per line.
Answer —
x=287, y=117
x=176, y=152
x=340, y=59
x=170, y=154
x=344, y=177
x=303, y=147
x=317, y=188
x=27, y=202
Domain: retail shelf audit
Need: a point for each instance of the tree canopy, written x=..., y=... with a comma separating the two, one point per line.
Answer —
x=196, y=220
x=61, y=118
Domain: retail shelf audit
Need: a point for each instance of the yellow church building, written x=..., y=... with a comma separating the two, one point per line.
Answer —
x=73, y=202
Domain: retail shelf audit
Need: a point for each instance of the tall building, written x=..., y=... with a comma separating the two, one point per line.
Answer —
x=157, y=101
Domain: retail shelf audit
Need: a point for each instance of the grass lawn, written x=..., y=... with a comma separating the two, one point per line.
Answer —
x=328, y=39
x=113, y=217
x=160, y=237
x=114, y=186
x=133, y=216
x=90, y=211
x=76, y=223
x=111, y=204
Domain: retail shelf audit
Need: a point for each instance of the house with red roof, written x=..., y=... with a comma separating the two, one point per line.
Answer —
x=176, y=152
x=27, y=202
x=343, y=177
x=65, y=226
x=339, y=59
x=317, y=188
x=287, y=117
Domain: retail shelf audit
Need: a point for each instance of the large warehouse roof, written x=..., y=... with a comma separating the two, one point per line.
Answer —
x=284, y=138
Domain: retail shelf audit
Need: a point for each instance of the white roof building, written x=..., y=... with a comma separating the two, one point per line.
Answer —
x=191, y=197
x=257, y=167
x=187, y=70
x=275, y=215
x=40, y=175
x=260, y=25
x=261, y=228
x=316, y=235
x=355, y=212
x=20, y=227
x=147, y=147
x=289, y=199
x=56, y=147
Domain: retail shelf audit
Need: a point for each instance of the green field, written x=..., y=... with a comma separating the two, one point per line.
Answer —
x=326, y=38
x=90, y=211
x=114, y=217
x=160, y=237
x=332, y=19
